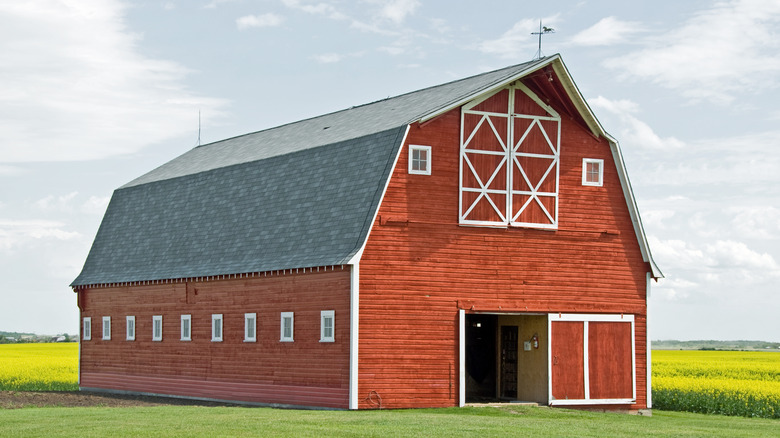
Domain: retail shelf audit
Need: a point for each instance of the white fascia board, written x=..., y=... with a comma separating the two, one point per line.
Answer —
x=359, y=254
x=489, y=90
x=633, y=210
x=576, y=97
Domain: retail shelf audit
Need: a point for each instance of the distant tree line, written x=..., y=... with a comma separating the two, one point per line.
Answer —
x=31, y=338
x=715, y=345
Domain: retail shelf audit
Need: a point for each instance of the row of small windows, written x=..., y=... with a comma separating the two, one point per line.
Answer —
x=327, y=327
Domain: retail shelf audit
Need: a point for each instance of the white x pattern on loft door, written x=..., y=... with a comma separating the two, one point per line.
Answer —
x=509, y=161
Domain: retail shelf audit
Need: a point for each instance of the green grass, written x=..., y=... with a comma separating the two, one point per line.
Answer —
x=172, y=421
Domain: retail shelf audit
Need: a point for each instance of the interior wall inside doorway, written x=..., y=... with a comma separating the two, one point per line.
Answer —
x=532, y=375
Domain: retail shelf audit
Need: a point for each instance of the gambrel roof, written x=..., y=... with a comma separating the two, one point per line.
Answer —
x=299, y=195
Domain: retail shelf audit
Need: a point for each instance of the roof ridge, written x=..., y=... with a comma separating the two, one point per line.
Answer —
x=432, y=87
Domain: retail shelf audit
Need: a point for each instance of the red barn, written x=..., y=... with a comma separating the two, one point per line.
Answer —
x=473, y=241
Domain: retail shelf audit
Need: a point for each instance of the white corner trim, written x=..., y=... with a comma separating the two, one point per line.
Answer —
x=461, y=358
x=649, y=393
x=354, y=316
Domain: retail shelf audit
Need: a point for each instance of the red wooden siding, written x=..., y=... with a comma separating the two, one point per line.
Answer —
x=568, y=378
x=420, y=266
x=305, y=372
x=609, y=360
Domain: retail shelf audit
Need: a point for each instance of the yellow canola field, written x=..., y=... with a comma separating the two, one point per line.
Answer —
x=39, y=367
x=745, y=383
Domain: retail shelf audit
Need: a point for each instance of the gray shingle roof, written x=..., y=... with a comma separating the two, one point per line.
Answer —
x=299, y=195
x=308, y=208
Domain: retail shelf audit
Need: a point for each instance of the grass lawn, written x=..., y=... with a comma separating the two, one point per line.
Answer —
x=471, y=421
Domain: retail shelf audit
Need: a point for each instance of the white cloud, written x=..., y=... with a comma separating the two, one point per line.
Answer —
x=263, y=20
x=757, y=222
x=728, y=48
x=634, y=131
x=317, y=9
x=731, y=254
x=516, y=42
x=329, y=58
x=14, y=233
x=96, y=205
x=76, y=87
x=723, y=261
x=607, y=31
x=656, y=218
x=674, y=289
x=214, y=3
x=393, y=50
x=56, y=203
x=397, y=10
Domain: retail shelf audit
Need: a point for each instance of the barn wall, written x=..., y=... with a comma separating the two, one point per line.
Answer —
x=305, y=372
x=420, y=266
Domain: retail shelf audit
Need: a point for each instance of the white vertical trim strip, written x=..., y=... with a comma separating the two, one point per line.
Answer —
x=354, y=314
x=649, y=394
x=585, y=360
x=461, y=357
x=549, y=358
x=633, y=361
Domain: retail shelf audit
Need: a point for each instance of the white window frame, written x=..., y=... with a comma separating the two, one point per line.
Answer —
x=106, y=328
x=417, y=148
x=250, y=327
x=157, y=335
x=186, y=323
x=585, y=162
x=217, y=327
x=86, y=329
x=326, y=315
x=130, y=328
x=291, y=317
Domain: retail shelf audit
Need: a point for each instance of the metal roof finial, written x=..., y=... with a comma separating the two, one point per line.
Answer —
x=542, y=30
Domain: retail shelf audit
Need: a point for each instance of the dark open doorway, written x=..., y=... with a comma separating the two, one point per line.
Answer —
x=506, y=358
x=481, y=358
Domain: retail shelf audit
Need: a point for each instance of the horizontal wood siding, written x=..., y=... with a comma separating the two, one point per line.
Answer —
x=304, y=372
x=419, y=267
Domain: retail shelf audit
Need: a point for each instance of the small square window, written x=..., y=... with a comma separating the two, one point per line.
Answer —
x=106, y=328
x=130, y=328
x=216, y=327
x=327, y=326
x=287, y=327
x=419, y=160
x=157, y=328
x=86, y=331
x=592, y=172
x=250, y=327
x=186, y=327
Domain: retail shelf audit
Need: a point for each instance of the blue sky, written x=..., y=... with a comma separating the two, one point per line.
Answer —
x=98, y=92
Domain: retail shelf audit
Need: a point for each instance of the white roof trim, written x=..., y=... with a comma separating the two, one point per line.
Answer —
x=489, y=90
